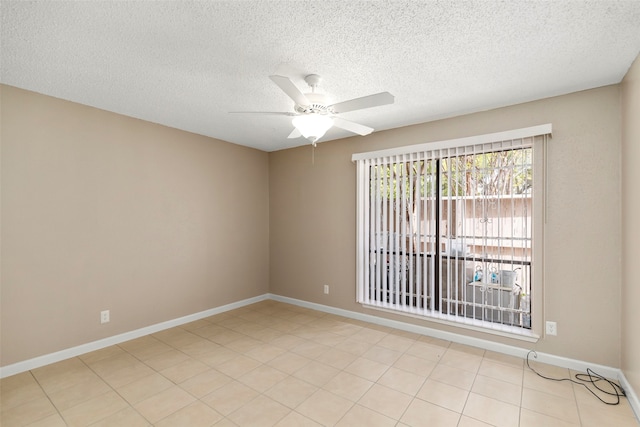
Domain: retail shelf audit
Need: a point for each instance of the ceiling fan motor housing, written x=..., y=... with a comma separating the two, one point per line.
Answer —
x=319, y=104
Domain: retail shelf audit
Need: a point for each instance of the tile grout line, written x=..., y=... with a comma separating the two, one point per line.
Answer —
x=112, y=388
x=48, y=398
x=575, y=399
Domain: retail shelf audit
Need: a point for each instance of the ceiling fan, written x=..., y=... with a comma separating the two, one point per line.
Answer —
x=313, y=116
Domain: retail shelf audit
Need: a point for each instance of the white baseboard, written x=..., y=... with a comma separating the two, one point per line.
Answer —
x=577, y=365
x=47, y=359
x=550, y=359
x=631, y=394
x=563, y=362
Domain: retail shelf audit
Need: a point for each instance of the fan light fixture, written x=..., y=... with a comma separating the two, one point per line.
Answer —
x=312, y=126
x=315, y=113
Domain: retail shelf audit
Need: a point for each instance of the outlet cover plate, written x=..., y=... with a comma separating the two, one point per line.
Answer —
x=552, y=328
x=104, y=316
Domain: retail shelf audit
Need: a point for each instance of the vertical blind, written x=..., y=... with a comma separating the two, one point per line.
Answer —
x=445, y=229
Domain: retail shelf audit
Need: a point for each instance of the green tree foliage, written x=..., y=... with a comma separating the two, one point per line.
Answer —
x=499, y=173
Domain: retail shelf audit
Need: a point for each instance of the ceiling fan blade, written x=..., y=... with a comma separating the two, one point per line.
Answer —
x=266, y=113
x=382, y=98
x=294, y=134
x=351, y=126
x=290, y=89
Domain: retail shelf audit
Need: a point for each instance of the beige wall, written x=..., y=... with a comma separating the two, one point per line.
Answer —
x=102, y=211
x=313, y=217
x=630, y=225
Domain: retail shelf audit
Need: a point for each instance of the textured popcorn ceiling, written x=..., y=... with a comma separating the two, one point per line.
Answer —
x=186, y=65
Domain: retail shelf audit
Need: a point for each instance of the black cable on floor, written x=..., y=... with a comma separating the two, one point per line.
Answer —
x=584, y=379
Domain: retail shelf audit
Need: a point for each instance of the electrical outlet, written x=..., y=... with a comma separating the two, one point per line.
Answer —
x=552, y=328
x=326, y=289
x=104, y=316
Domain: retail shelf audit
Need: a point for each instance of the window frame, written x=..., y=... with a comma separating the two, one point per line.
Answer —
x=539, y=135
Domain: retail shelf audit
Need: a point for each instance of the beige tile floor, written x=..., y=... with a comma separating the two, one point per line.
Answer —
x=274, y=364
